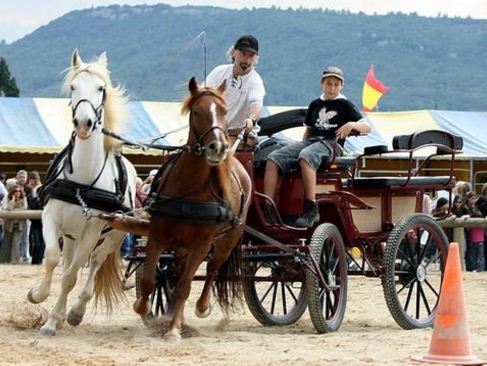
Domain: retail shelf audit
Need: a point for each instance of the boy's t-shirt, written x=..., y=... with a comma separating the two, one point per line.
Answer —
x=326, y=116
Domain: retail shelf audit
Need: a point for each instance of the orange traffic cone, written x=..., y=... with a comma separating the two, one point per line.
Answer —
x=451, y=340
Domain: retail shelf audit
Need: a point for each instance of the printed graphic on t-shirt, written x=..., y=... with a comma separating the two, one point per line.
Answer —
x=324, y=117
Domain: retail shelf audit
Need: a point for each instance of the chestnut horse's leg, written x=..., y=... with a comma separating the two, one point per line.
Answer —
x=183, y=288
x=222, y=250
x=152, y=252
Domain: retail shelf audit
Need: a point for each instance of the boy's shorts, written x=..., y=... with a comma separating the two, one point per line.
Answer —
x=313, y=151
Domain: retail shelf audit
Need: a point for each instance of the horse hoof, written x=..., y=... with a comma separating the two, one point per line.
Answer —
x=30, y=297
x=142, y=307
x=45, y=331
x=73, y=318
x=202, y=314
x=172, y=338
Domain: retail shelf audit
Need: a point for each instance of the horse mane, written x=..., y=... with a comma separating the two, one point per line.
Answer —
x=115, y=110
x=190, y=99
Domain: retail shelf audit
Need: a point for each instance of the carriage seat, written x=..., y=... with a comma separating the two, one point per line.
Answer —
x=340, y=163
x=373, y=182
x=445, y=143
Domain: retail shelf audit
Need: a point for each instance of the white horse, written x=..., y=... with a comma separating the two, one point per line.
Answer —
x=90, y=165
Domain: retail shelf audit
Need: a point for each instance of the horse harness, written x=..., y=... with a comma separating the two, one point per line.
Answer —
x=86, y=196
x=192, y=211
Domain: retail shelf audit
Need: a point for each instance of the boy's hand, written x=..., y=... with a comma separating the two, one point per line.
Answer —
x=344, y=131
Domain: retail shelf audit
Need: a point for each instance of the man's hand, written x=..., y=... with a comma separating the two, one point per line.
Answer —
x=344, y=131
x=248, y=125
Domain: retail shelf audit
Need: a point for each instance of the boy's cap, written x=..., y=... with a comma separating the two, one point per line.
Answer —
x=333, y=71
x=247, y=43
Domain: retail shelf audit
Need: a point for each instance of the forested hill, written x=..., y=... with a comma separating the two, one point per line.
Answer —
x=427, y=62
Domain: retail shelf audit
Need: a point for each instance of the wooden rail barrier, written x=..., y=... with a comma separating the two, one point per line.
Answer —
x=21, y=214
x=457, y=226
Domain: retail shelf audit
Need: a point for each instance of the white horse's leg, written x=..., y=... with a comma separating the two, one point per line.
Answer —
x=82, y=252
x=110, y=244
x=51, y=255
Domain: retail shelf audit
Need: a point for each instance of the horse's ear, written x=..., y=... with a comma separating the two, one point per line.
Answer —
x=223, y=86
x=103, y=58
x=193, y=86
x=76, y=60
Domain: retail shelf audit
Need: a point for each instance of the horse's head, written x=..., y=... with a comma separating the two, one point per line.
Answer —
x=87, y=85
x=208, y=124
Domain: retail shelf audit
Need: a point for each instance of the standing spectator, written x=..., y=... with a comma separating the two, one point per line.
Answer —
x=14, y=228
x=461, y=188
x=427, y=204
x=441, y=209
x=36, y=240
x=245, y=89
x=140, y=195
x=458, y=209
x=147, y=183
x=3, y=190
x=482, y=205
x=3, y=197
x=474, y=257
x=34, y=180
x=22, y=178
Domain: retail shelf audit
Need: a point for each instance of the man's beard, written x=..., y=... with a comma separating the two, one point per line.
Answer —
x=244, y=66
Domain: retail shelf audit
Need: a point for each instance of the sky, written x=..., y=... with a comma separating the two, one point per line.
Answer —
x=21, y=17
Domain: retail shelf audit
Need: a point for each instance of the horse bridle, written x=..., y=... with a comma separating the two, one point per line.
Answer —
x=199, y=147
x=98, y=111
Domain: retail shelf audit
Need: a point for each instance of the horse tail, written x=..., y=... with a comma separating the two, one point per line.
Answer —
x=108, y=282
x=227, y=286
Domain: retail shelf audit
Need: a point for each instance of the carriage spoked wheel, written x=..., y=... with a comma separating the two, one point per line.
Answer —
x=327, y=305
x=274, y=290
x=163, y=296
x=414, y=263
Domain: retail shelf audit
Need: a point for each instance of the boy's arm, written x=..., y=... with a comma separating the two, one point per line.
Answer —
x=361, y=126
x=306, y=133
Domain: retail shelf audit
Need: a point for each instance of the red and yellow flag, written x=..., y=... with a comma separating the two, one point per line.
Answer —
x=373, y=91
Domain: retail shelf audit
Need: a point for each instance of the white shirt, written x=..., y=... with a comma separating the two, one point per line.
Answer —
x=241, y=92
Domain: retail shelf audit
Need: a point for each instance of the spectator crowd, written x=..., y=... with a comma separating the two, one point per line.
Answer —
x=466, y=204
x=20, y=239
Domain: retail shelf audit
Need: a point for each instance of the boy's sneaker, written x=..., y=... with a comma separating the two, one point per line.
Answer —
x=310, y=216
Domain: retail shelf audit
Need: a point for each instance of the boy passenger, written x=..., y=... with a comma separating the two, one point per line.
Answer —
x=330, y=119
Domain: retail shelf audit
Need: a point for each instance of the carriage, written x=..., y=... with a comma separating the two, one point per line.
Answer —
x=208, y=205
x=370, y=226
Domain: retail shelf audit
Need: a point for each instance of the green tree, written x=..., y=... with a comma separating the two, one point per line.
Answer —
x=8, y=85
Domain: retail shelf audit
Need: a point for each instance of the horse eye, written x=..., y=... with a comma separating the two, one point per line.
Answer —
x=72, y=87
x=101, y=88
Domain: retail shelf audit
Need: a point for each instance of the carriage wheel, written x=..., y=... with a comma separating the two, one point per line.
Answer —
x=327, y=306
x=163, y=296
x=274, y=291
x=414, y=262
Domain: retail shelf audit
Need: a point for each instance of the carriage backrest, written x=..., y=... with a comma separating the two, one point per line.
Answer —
x=427, y=138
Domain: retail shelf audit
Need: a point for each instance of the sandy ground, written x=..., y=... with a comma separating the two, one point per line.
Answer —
x=368, y=335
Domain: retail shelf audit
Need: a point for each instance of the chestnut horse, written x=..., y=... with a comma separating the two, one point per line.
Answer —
x=202, y=201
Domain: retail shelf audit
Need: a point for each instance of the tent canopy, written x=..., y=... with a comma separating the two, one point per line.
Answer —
x=43, y=125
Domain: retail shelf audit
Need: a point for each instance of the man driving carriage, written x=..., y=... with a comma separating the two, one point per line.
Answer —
x=245, y=90
x=330, y=118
